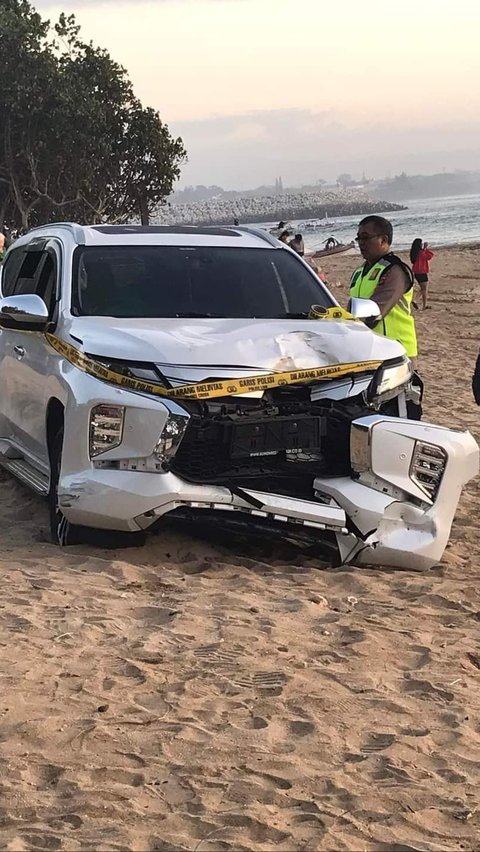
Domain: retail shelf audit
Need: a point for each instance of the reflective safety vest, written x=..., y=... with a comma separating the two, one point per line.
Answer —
x=398, y=324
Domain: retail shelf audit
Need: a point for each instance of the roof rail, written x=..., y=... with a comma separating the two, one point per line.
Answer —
x=259, y=232
x=72, y=227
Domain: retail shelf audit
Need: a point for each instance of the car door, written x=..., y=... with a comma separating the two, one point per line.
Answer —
x=9, y=274
x=24, y=356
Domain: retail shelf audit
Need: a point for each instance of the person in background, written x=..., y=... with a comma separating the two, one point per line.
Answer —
x=387, y=280
x=420, y=256
x=476, y=382
x=297, y=244
x=235, y=221
x=284, y=237
x=330, y=243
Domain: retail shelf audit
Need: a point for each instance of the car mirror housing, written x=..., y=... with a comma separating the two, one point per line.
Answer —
x=28, y=312
x=364, y=309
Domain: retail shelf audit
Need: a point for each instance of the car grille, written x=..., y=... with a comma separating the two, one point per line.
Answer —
x=285, y=452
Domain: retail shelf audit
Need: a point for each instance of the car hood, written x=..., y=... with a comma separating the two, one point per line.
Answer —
x=197, y=349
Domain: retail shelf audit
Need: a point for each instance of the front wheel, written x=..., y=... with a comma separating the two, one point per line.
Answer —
x=62, y=531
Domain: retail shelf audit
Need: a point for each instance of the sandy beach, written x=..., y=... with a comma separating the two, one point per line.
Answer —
x=210, y=695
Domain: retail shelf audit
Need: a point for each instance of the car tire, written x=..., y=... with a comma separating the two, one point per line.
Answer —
x=62, y=531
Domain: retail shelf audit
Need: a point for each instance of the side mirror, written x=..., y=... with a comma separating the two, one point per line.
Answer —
x=365, y=309
x=28, y=312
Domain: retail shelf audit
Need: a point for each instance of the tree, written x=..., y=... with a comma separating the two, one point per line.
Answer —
x=74, y=140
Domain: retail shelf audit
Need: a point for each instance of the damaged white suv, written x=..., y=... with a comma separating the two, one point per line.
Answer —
x=147, y=372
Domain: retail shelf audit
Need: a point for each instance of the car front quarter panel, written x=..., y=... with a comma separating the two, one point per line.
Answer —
x=144, y=420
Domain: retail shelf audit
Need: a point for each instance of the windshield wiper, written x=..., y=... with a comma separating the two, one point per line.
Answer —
x=198, y=315
x=286, y=315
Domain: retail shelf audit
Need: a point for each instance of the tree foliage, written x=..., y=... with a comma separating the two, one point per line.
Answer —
x=75, y=142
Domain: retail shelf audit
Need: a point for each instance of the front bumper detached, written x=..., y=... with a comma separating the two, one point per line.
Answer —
x=400, y=505
x=396, y=509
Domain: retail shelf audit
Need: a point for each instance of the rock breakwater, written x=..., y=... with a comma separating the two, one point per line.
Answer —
x=271, y=208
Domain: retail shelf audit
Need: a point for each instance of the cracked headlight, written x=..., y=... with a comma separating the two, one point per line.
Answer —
x=106, y=428
x=427, y=467
x=171, y=437
x=388, y=381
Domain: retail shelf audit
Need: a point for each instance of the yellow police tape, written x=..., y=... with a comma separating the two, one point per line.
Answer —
x=209, y=390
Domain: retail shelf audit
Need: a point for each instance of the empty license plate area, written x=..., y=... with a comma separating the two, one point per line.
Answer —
x=269, y=437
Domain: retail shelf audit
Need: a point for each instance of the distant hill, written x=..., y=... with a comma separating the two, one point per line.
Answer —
x=400, y=188
x=404, y=187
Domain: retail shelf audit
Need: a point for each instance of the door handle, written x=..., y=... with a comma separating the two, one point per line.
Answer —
x=19, y=351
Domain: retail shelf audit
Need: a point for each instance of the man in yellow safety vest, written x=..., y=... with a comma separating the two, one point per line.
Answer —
x=387, y=280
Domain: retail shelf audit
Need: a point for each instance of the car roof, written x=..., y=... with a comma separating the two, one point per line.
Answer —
x=162, y=235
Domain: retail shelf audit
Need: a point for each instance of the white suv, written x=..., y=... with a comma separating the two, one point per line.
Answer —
x=154, y=371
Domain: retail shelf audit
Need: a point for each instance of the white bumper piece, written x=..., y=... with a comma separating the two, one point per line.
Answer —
x=395, y=510
x=394, y=519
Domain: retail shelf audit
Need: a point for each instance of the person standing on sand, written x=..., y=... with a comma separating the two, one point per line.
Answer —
x=420, y=256
x=297, y=244
x=387, y=280
x=476, y=382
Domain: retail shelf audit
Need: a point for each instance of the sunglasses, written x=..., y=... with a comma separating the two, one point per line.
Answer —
x=364, y=238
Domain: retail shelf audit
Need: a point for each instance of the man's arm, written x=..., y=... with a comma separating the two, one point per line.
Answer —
x=393, y=285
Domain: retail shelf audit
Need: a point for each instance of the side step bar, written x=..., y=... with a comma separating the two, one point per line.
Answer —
x=27, y=474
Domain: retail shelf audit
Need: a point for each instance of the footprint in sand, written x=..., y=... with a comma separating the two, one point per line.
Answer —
x=299, y=728
x=425, y=690
x=65, y=821
x=256, y=723
x=274, y=781
x=14, y=623
x=43, y=842
x=262, y=680
x=43, y=775
x=377, y=742
x=154, y=616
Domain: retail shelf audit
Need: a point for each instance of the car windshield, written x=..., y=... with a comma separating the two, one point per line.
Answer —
x=175, y=281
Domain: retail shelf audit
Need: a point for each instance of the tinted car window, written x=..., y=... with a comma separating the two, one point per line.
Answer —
x=26, y=282
x=168, y=281
x=47, y=281
x=11, y=267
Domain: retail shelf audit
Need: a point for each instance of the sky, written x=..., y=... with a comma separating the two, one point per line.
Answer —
x=305, y=90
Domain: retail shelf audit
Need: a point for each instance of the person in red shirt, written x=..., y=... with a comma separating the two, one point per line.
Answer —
x=420, y=256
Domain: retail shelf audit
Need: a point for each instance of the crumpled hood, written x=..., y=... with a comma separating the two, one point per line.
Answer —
x=196, y=349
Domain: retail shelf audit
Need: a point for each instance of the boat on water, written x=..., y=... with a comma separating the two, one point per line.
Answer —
x=310, y=226
x=337, y=249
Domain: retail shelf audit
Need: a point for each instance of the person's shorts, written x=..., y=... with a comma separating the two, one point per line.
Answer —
x=421, y=278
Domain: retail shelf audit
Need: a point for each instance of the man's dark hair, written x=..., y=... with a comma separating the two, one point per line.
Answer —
x=383, y=226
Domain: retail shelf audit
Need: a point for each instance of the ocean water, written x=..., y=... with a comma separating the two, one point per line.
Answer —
x=439, y=221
